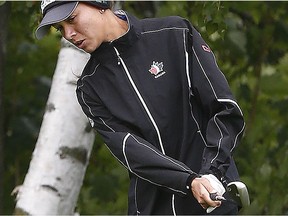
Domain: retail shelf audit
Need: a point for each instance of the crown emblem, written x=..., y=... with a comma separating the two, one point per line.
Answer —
x=157, y=69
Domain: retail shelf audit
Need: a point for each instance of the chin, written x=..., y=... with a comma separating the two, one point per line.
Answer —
x=90, y=49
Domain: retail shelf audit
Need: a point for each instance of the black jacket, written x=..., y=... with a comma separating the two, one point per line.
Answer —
x=165, y=111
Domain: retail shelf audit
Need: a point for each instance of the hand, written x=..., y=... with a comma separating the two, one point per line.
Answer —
x=201, y=189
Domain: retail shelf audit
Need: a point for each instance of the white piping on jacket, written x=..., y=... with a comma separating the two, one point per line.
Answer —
x=82, y=94
x=164, y=29
x=230, y=101
x=173, y=205
x=190, y=88
x=107, y=125
x=123, y=151
x=161, y=155
x=142, y=100
x=128, y=134
x=242, y=129
x=220, y=100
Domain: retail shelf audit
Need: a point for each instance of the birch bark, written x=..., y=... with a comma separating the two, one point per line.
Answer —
x=62, y=151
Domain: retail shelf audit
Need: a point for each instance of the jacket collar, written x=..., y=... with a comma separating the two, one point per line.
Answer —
x=105, y=51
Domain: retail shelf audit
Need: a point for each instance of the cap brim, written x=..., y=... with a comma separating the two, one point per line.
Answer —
x=54, y=15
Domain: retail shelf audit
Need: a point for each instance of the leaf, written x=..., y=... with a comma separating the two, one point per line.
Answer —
x=211, y=27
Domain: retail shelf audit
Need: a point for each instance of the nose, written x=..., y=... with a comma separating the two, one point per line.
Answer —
x=69, y=33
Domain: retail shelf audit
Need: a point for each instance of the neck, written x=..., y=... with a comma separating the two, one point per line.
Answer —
x=117, y=28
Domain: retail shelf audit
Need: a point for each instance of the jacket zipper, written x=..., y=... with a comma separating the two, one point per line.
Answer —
x=120, y=61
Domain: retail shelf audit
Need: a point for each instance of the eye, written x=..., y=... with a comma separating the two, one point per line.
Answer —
x=59, y=28
x=71, y=19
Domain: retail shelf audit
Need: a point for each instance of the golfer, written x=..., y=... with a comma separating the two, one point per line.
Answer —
x=154, y=92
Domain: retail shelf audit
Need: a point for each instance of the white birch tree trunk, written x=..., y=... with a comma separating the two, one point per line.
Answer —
x=62, y=151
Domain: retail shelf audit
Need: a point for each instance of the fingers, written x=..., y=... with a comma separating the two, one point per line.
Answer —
x=201, y=190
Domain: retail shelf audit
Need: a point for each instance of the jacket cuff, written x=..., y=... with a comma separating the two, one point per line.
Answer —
x=190, y=178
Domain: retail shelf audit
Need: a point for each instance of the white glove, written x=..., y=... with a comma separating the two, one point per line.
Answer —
x=217, y=185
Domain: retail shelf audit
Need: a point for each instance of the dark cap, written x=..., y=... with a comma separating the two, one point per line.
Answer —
x=57, y=11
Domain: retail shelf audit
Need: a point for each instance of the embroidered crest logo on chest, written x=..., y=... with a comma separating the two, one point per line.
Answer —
x=156, y=69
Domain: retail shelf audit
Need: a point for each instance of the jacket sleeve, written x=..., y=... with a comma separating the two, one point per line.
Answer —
x=223, y=119
x=139, y=156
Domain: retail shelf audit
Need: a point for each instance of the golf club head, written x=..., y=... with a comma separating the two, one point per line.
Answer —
x=238, y=192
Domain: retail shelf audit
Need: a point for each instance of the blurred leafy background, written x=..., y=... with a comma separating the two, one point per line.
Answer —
x=249, y=40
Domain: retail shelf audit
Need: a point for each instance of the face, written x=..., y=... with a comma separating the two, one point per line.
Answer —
x=85, y=27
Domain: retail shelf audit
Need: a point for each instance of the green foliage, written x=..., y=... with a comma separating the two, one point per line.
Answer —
x=249, y=40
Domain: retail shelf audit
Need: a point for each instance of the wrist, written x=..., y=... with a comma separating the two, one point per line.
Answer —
x=190, y=178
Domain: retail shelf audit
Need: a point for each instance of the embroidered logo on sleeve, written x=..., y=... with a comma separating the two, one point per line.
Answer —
x=157, y=69
x=206, y=48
